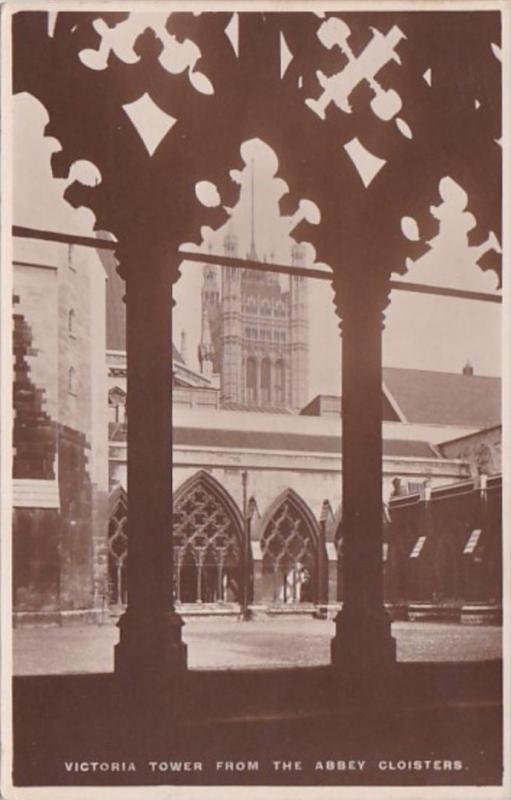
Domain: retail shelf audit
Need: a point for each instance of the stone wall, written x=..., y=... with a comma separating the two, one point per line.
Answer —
x=481, y=450
x=60, y=432
x=314, y=476
x=446, y=548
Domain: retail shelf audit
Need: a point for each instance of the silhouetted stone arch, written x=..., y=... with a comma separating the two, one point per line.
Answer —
x=289, y=547
x=207, y=541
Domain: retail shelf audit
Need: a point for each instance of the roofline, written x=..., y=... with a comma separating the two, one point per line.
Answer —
x=393, y=402
x=444, y=490
x=469, y=435
x=444, y=372
x=122, y=443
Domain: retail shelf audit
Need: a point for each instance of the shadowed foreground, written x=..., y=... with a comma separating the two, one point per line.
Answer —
x=440, y=714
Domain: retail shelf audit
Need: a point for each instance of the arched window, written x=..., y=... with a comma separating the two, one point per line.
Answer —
x=289, y=548
x=71, y=322
x=280, y=382
x=266, y=380
x=207, y=535
x=117, y=404
x=118, y=548
x=251, y=378
x=71, y=380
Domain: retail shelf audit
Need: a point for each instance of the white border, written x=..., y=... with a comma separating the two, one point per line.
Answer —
x=424, y=792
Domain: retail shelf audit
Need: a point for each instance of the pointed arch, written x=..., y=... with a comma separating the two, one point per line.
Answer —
x=117, y=500
x=208, y=481
x=289, y=547
x=117, y=546
x=208, y=529
x=289, y=495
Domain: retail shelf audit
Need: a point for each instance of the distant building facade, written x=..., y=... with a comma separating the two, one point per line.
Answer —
x=481, y=450
x=292, y=466
x=254, y=333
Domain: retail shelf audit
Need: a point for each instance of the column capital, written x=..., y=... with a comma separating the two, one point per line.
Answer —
x=140, y=262
x=358, y=295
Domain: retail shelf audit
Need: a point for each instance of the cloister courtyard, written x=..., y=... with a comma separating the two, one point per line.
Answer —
x=227, y=643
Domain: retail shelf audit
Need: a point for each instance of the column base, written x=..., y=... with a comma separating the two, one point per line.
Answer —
x=150, y=661
x=363, y=655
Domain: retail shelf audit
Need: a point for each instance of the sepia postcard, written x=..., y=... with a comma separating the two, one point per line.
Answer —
x=255, y=348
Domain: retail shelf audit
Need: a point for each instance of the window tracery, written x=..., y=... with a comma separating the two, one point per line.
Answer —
x=118, y=550
x=207, y=547
x=290, y=553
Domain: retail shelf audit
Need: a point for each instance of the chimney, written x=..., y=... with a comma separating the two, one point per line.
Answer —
x=468, y=369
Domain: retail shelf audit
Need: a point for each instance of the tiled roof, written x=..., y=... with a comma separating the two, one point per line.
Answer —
x=269, y=440
x=232, y=406
x=444, y=398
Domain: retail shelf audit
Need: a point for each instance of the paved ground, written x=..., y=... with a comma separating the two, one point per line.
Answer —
x=228, y=643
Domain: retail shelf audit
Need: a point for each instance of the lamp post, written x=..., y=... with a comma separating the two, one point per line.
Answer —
x=245, y=613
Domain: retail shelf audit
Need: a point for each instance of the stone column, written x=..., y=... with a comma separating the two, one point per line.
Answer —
x=150, y=657
x=363, y=646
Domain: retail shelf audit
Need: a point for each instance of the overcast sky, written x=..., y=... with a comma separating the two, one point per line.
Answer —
x=424, y=332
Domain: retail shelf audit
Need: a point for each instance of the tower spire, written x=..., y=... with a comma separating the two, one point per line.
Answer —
x=252, y=254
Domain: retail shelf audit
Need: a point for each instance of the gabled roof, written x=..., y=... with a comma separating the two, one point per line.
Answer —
x=443, y=398
x=302, y=442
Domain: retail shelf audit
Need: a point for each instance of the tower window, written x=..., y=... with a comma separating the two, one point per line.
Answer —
x=280, y=382
x=71, y=322
x=71, y=381
x=266, y=380
x=251, y=377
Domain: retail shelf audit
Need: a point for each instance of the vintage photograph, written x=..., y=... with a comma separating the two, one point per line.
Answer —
x=253, y=380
